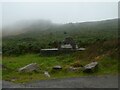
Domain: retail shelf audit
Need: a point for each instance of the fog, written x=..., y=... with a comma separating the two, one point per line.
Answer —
x=58, y=12
x=16, y=17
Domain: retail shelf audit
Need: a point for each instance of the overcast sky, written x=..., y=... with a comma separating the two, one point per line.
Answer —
x=59, y=12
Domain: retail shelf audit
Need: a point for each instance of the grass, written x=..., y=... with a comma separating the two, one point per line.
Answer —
x=45, y=63
x=107, y=65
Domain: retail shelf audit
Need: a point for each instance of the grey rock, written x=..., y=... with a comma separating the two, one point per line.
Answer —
x=57, y=67
x=73, y=69
x=29, y=68
x=91, y=67
x=81, y=49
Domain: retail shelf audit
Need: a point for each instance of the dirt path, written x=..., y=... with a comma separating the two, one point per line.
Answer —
x=81, y=82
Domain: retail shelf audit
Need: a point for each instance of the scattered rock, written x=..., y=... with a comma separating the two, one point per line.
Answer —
x=81, y=49
x=29, y=68
x=73, y=69
x=91, y=67
x=57, y=67
x=47, y=74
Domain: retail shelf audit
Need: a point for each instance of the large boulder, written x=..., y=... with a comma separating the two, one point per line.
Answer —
x=91, y=67
x=29, y=68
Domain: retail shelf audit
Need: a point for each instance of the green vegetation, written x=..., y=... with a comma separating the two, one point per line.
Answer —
x=99, y=39
x=36, y=38
x=107, y=59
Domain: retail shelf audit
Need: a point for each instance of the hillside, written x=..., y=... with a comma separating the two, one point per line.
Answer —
x=41, y=34
x=27, y=28
x=99, y=39
x=41, y=26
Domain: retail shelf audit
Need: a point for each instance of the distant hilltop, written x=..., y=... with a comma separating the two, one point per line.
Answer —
x=43, y=25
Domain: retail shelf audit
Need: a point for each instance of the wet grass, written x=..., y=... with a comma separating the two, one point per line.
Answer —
x=107, y=65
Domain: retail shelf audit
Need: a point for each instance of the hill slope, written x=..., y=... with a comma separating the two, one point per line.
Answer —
x=42, y=34
x=99, y=39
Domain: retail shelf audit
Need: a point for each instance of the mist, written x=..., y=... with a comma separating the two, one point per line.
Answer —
x=59, y=12
x=18, y=16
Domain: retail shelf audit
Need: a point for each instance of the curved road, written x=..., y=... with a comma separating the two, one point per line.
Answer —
x=81, y=82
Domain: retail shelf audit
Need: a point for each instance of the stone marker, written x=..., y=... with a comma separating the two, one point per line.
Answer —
x=91, y=67
x=57, y=67
x=47, y=74
x=29, y=68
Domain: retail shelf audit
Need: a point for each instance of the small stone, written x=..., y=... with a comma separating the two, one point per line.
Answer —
x=57, y=67
x=47, y=74
x=73, y=69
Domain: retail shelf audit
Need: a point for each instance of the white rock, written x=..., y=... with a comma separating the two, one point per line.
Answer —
x=47, y=74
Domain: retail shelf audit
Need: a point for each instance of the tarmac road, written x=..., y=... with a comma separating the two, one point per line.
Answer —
x=81, y=82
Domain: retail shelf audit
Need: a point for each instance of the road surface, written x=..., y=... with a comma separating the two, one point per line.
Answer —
x=81, y=82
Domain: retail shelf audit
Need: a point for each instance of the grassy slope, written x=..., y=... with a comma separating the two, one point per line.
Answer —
x=103, y=52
